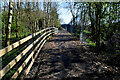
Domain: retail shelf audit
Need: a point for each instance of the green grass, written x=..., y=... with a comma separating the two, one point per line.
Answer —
x=88, y=40
x=88, y=32
x=90, y=43
x=13, y=38
x=14, y=69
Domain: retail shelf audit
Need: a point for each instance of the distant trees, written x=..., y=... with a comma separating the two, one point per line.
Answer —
x=102, y=20
x=74, y=11
x=27, y=17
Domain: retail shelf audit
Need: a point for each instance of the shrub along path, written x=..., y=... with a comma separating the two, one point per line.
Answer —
x=63, y=56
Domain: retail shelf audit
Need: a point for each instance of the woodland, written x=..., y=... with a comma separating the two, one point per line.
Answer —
x=95, y=24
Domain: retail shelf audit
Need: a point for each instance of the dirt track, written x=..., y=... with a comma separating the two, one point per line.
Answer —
x=63, y=56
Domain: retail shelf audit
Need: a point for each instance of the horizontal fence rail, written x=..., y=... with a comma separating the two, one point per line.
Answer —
x=28, y=55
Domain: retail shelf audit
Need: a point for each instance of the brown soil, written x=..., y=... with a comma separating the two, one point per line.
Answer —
x=64, y=57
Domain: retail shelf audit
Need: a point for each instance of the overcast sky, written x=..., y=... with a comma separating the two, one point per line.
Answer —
x=64, y=13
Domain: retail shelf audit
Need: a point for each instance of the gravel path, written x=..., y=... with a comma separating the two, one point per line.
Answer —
x=63, y=56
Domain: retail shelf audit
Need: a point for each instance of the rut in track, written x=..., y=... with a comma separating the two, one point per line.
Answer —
x=63, y=56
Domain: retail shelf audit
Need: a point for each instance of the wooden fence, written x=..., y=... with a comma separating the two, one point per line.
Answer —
x=26, y=56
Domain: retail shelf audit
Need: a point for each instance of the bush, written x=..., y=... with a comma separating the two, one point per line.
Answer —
x=92, y=44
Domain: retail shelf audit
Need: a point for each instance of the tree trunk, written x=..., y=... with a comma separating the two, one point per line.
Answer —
x=92, y=22
x=44, y=25
x=81, y=30
x=37, y=26
x=4, y=20
x=98, y=17
x=18, y=16
x=48, y=11
x=74, y=28
x=50, y=15
x=9, y=23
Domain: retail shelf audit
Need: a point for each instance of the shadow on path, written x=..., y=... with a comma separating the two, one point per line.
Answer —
x=63, y=57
